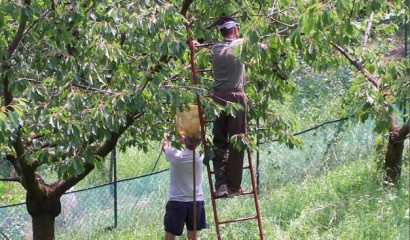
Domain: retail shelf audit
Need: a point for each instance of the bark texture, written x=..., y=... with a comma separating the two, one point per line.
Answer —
x=394, y=156
x=43, y=213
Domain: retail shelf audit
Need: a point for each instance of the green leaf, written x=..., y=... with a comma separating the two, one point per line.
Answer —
x=308, y=24
x=253, y=37
x=78, y=166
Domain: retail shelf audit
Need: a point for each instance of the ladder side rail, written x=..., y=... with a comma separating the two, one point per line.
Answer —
x=203, y=136
x=255, y=193
x=195, y=82
x=208, y=167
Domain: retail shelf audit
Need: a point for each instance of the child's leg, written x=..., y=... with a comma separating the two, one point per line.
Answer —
x=169, y=236
x=191, y=235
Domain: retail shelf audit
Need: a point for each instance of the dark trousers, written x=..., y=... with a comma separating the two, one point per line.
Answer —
x=228, y=161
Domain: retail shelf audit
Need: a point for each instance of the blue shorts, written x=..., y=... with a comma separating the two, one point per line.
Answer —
x=179, y=214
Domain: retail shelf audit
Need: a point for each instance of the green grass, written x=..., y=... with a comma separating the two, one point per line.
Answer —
x=322, y=191
x=317, y=192
x=348, y=202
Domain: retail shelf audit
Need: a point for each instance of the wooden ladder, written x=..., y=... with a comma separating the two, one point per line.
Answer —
x=253, y=192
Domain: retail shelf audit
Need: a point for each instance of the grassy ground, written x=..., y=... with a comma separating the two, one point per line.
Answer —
x=329, y=189
x=346, y=203
x=319, y=192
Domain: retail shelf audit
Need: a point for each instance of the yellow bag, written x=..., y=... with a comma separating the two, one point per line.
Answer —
x=187, y=122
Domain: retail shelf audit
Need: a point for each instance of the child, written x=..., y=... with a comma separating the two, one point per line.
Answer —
x=179, y=208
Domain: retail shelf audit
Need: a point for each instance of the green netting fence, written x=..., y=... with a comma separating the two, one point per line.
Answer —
x=141, y=200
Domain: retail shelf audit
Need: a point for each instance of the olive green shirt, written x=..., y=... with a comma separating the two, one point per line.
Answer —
x=229, y=72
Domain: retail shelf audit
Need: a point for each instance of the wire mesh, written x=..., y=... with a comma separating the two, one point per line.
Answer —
x=141, y=200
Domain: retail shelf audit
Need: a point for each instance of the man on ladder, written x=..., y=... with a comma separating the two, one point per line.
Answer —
x=229, y=77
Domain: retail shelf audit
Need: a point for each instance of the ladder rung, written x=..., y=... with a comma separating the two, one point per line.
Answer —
x=203, y=70
x=204, y=44
x=243, y=193
x=246, y=167
x=239, y=220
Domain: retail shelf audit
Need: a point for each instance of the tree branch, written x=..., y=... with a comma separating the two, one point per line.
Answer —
x=282, y=23
x=358, y=65
x=367, y=33
x=281, y=11
x=43, y=15
x=93, y=89
x=10, y=179
x=15, y=163
x=103, y=150
x=277, y=33
x=403, y=131
x=11, y=48
x=29, y=180
x=185, y=7
x=22, y=26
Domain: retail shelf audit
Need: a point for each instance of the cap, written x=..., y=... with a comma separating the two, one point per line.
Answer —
x=226, y=23
x=222, y=23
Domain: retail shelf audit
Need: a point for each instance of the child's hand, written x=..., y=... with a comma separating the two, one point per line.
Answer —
x=165, y=144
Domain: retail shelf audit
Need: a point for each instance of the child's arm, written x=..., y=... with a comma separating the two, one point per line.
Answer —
x=171, y=154
x=165, y=144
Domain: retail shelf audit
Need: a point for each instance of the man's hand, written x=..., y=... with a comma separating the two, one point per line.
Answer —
x=263, y=45
x=165, y=144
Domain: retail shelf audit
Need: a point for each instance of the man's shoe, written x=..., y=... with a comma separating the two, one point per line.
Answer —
x=232, y=194
x=222, y=191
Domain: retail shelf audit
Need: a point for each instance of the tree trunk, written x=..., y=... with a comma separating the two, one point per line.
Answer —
x=43, y=227
x=393, y=160
x=43, y=213
x=394, y=155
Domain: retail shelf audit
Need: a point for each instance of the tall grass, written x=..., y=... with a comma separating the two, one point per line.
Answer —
x=322, y=191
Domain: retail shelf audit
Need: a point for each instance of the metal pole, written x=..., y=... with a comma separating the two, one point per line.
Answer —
x=194, y=183
x=114, y=160
x=406, y=32
x=257, y=155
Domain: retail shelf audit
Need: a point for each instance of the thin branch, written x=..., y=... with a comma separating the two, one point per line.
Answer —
x=367, y=33
x=185, y=88
x=275, y=4
x=93, y=89
x=43, y=15
x=17, y=179
x=28, y=80
x=358, y=65
x=277, y=33
x=280, y=22
x=283, y=10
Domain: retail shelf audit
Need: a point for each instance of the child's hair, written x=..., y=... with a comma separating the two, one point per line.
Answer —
x=193, y=141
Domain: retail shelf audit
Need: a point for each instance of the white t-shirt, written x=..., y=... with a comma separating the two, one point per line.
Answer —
x=181, y=175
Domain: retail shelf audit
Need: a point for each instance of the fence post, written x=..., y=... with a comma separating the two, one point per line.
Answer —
x=406, y=34
x=257, y=155
x=114, y=160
